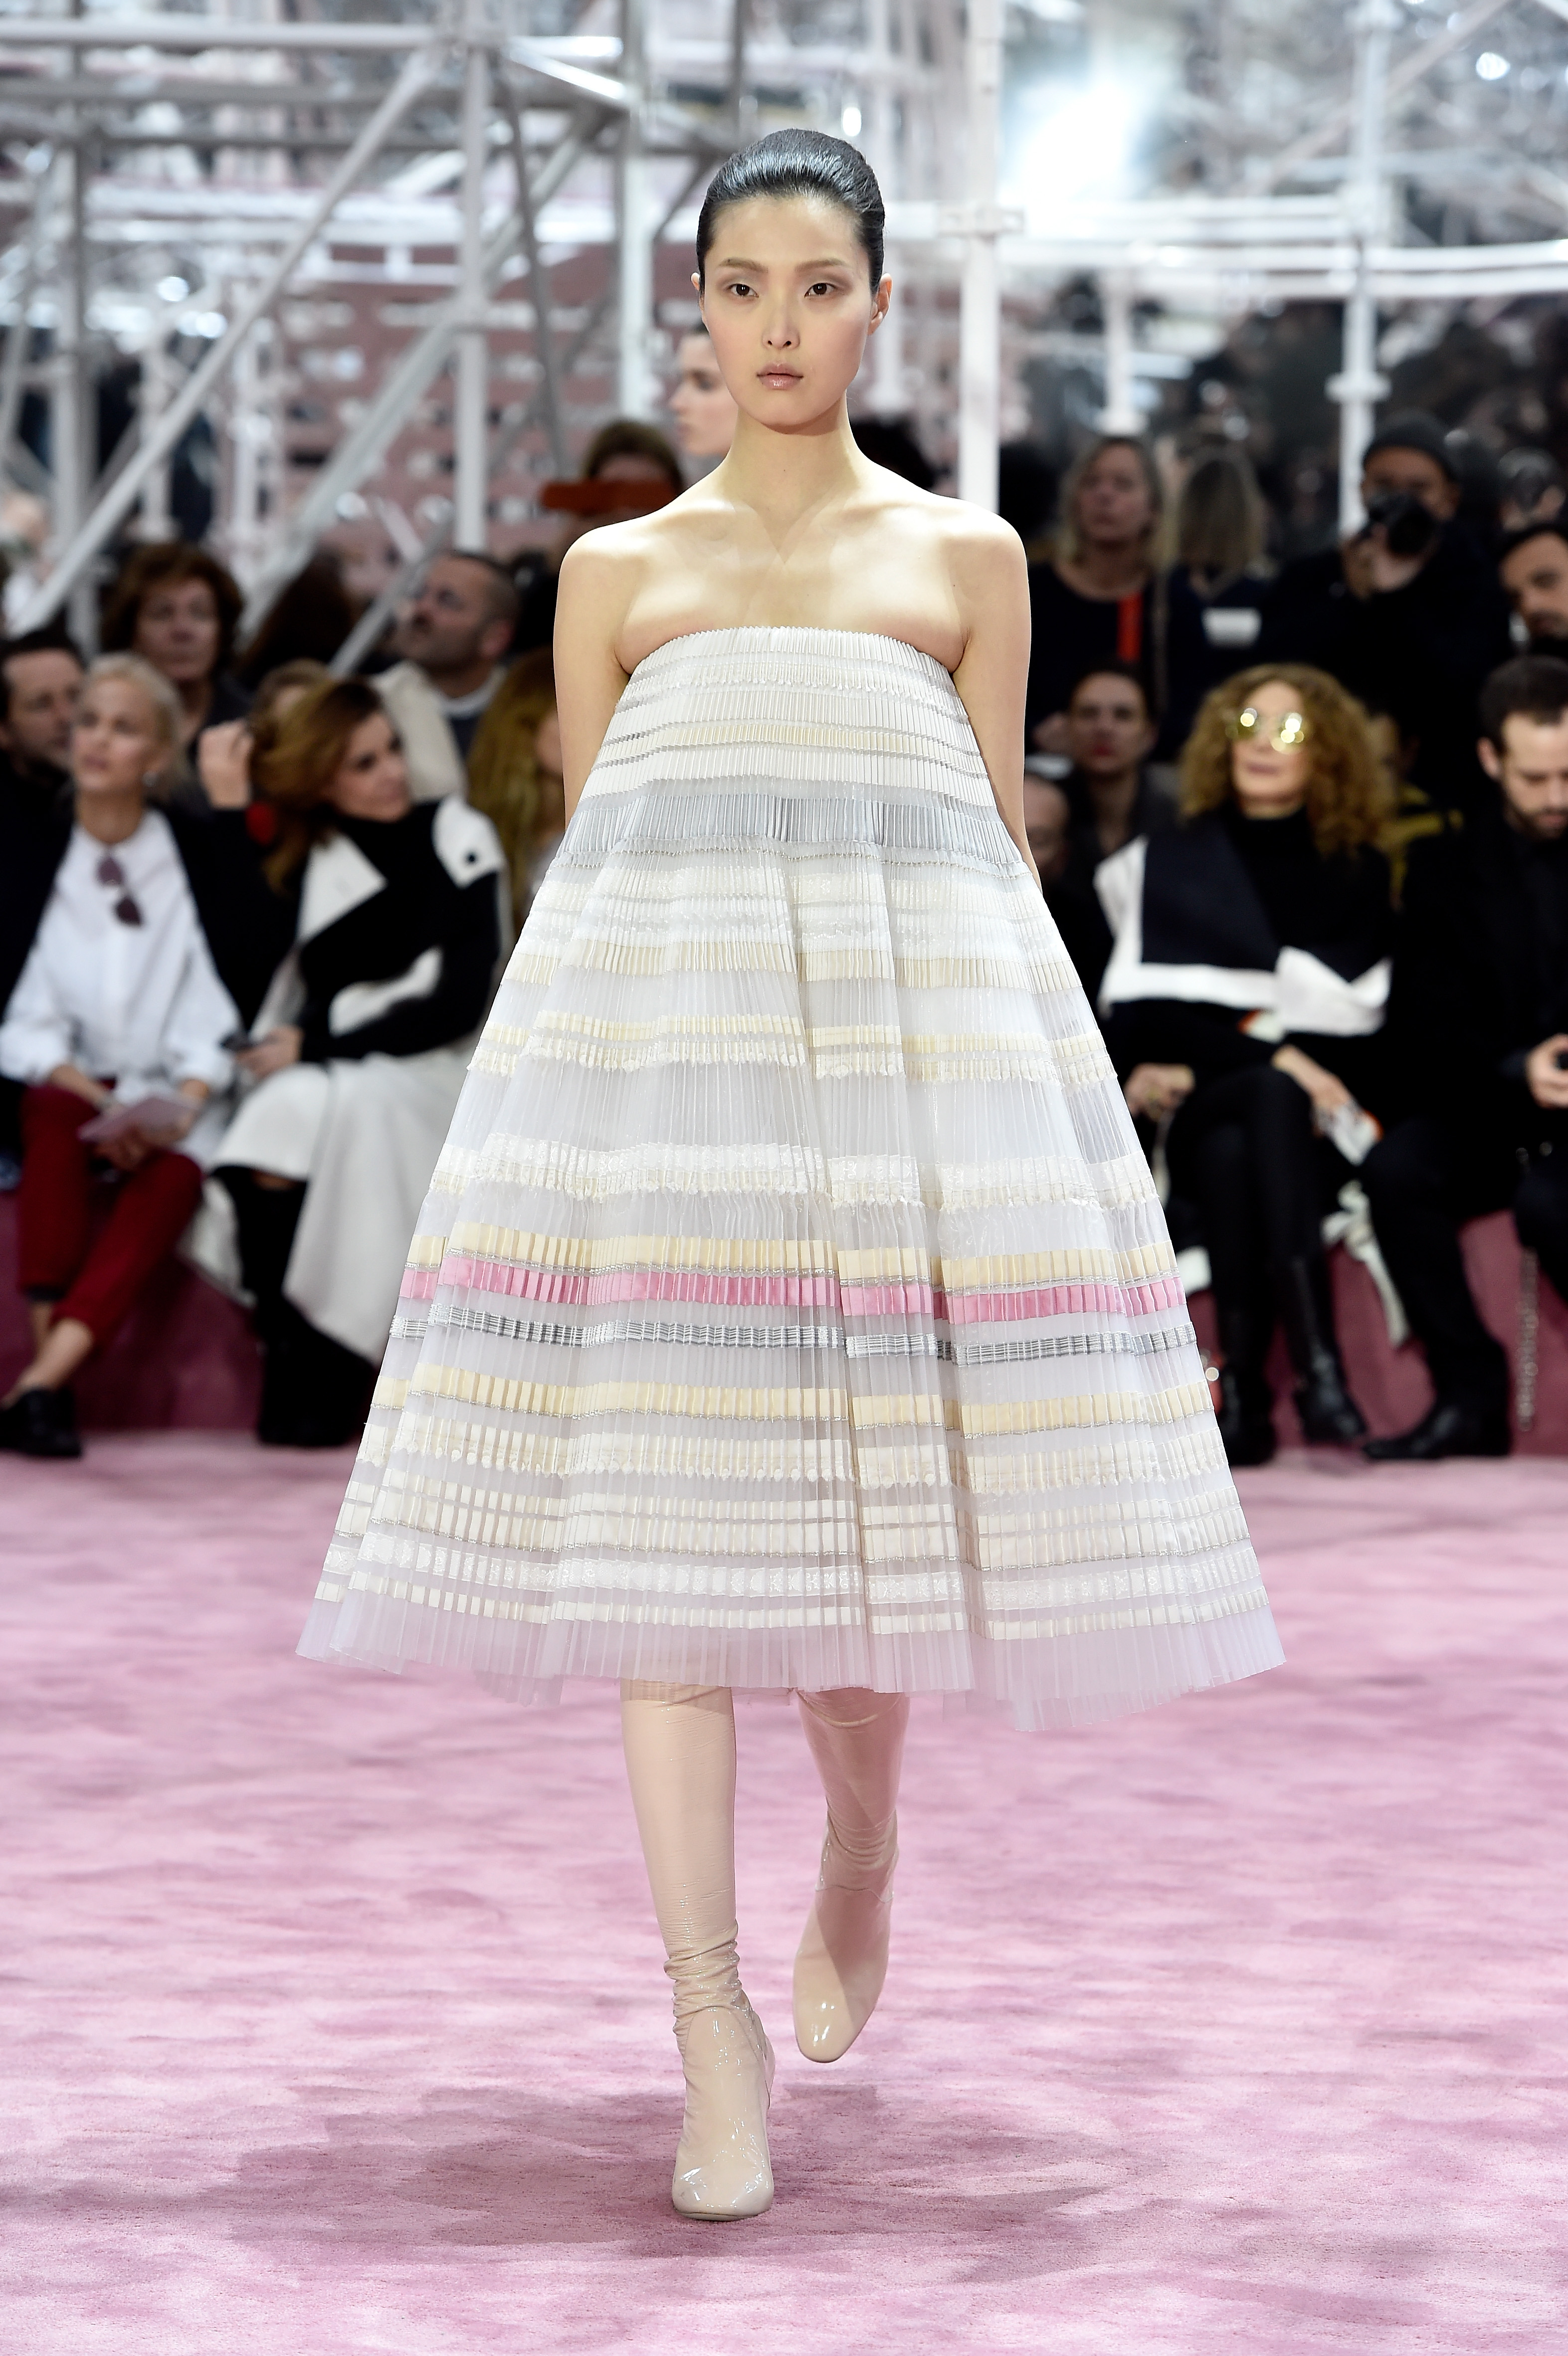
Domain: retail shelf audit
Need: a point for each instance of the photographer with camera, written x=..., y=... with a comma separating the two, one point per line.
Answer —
x=1407, y=612
x=1479, y=1037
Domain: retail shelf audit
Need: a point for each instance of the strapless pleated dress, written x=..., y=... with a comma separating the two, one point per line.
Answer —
x=791, y=1307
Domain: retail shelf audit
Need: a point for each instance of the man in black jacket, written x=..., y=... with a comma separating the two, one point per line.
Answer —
x=1479, y=1034
x=1408, y=614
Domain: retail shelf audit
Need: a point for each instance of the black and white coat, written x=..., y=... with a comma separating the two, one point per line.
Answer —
x=389, y=980
x=1198, y=976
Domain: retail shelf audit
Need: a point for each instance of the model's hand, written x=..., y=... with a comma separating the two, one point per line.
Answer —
x=1544, y=1075
x=1329, y=1093
x=274, y=1053
x=1155, y=1089
x=223, y=760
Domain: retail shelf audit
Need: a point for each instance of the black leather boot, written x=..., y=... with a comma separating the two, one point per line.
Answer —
x=1323, y=1399
x=1449, y=1428
x=314, y=1393
x=1245, y=1414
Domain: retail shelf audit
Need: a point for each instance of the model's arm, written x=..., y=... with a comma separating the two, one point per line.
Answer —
x=595, y=591
x=991, y=581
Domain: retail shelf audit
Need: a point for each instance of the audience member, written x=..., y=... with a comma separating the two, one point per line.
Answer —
x=1098, y=599
x=1532, y=489
x=701, y=403
x=118, y=1029
x=227, y=755
x=1215, y=587
x=1111, y=797
x=1243, y=994
x=453, y=640
x=309, y=619
x=363, y=1044
x=40, y=683
x=1534, y=572
x=625, y=451
x=177, y=607
x=1479, y=1020
x=1407, y=612
x=1027, y=493
x=888, y=441
x=1048, y=823
x=515, y=774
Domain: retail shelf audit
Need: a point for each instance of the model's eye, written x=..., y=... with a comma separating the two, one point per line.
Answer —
x=737, y=287
x=821, y=286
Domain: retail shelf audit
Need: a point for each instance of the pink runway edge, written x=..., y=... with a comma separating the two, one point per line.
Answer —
x=332, y=2016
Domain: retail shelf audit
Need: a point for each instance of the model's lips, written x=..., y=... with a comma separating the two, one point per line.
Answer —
x=778, y=376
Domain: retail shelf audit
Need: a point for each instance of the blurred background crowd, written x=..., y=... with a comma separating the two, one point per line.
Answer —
x=1300, y=812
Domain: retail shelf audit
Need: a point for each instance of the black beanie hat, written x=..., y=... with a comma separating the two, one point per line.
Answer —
x=1415, y=429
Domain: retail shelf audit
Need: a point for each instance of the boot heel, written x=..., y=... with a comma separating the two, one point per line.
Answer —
x=723, y=2170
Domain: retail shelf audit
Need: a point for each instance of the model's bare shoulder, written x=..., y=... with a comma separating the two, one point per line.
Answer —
x=986, y=564
x=976, y=538
x=602, y=561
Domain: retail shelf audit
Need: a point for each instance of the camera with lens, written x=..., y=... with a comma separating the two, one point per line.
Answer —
x=1408, y=528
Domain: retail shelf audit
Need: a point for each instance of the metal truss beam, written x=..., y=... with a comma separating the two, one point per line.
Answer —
x=117, y=503
x=394, y=405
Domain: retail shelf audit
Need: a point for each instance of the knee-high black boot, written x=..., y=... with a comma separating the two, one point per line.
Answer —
x=314, y=1393
x=1323, y=1399
x=1245, y=1415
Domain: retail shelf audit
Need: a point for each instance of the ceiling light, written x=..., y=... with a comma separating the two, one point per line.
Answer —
x=1490, y=67
x=851, y=123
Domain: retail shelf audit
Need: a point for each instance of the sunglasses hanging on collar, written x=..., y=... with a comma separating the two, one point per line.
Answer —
x=111, y=875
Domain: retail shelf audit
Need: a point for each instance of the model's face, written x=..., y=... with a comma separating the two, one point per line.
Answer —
x=1270, y=780
x=45, y=689
x=701, y=404
x=1115, y=509
x=116, y=743
x=1536, y=577
x=1108, y=730
x=789, y=308
x=180, y=632
x=1532, y=770
x=1413, y=472
x=372, y=781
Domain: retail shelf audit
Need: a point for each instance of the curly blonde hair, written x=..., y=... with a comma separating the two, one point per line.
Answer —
x=1349, y=801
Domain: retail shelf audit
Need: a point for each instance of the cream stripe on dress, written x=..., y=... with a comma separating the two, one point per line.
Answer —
x=791, y=1306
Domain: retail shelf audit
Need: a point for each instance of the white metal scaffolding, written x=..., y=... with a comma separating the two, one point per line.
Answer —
x=279, y=157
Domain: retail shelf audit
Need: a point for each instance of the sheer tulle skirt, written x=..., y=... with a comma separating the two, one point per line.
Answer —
x=791, y=1306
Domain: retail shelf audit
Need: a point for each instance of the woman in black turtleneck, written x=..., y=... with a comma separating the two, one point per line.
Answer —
x=1244, y=999
x=361, y=1048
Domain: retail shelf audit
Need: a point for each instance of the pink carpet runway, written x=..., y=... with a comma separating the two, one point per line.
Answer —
x=333, y=2016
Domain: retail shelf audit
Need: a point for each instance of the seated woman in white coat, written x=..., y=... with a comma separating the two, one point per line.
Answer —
x=1244, y=1000
x=360, y=1049
x=119, y=1028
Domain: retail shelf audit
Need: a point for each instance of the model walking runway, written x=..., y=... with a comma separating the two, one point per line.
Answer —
x=791, y=1310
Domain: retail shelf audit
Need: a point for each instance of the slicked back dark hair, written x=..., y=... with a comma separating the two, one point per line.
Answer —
x=798, y=164
x=1533, y=686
